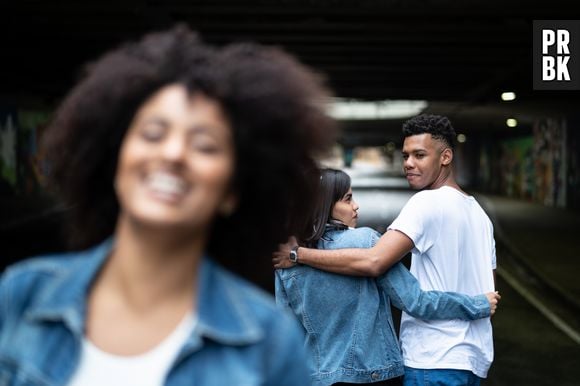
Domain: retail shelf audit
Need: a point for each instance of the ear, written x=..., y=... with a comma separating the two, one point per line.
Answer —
x=446, y=156
x=228, y=205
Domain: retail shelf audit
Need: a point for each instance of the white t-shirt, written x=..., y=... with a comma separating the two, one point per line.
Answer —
x=98, y=368
x=454, y=251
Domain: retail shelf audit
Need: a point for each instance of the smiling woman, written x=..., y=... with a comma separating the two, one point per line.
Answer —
x=177, y=158
x=176, y=163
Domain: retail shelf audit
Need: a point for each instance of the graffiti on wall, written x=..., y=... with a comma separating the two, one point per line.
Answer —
x=8, y=146
x=531, y=167
x=31, y=124
x=549, y=161
x=517, y=176
x=573, y=164
x=21, y=169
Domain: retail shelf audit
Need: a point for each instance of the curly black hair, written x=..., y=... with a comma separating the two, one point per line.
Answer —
x=275, y=105
x=437, y=125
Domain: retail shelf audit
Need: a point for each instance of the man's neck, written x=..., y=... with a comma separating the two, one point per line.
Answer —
x=446, y=178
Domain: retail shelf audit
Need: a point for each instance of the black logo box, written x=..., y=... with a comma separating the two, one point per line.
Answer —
x=573, y=28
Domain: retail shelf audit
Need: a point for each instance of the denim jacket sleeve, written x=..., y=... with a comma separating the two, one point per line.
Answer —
x=406, y=294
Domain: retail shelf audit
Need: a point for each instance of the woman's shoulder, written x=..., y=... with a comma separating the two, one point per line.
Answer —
x=266, y=327
x=247, y=302
x=43, y=266
x=241, y=290
x=363, y=237
x=22, y=282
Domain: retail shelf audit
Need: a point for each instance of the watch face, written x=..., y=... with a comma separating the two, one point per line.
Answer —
x=293, y=256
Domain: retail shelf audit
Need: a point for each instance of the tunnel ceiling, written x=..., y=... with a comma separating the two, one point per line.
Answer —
x=457, y=55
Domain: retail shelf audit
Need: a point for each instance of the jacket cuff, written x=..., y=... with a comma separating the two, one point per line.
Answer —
x=482, y=304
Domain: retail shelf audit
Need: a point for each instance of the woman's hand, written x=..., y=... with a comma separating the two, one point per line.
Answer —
x=493, y=299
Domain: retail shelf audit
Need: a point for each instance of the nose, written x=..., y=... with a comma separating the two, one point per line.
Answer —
x=174, y=148
x=408, y=163
x=354, y=205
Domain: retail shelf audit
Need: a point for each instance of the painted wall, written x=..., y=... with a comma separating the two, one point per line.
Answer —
x=530, y=167
x=21, y=169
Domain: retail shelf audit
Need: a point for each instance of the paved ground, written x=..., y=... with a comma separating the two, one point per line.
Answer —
x=529, y=349
x=546, y=239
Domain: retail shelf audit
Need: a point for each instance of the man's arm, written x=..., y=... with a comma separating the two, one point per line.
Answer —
x=390, y=248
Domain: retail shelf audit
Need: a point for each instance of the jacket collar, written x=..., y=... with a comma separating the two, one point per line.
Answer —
x=224, y=307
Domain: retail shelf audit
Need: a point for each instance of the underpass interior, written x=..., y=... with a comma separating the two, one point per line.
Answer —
x=455, y=59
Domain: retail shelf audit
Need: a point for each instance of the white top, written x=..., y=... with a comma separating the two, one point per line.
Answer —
x=454, y=251
x=98, y=368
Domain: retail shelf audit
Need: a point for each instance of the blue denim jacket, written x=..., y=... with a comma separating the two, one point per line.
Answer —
x=348, y=322
x=240, y=339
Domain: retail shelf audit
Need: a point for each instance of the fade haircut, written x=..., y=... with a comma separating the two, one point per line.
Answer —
x=438, y=126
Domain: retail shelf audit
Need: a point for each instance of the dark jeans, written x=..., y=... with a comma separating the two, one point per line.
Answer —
x=440, y=377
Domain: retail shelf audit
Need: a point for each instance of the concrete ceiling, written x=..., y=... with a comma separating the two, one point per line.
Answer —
x=457, y=55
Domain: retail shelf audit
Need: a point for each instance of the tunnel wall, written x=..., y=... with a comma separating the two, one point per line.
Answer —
x=20, y=163
x=541, y=166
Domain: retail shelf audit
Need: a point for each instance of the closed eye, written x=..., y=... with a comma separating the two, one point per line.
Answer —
x=153, y=130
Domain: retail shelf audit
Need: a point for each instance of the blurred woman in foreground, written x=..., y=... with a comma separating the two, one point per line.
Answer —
x=176, y=158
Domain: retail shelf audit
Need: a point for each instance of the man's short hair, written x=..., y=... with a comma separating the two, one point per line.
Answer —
x=438, y=126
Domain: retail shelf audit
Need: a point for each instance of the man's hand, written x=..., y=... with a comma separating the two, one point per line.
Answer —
x=493, y=299
x=280, y=258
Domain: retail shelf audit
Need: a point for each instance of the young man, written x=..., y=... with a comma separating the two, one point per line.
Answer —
x=452, y=245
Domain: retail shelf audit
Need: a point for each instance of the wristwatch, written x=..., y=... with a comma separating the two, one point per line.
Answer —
x=294, y=254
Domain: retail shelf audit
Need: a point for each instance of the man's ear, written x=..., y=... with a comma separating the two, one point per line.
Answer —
x=446, y=156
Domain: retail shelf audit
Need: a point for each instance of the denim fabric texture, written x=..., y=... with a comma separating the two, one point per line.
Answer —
x=241, y=338
x=349, y=328
x=439, y=377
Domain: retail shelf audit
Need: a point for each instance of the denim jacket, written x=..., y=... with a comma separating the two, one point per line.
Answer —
x=348, y=322
x=240, y=338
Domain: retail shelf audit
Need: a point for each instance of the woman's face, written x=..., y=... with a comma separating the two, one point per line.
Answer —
x=345, y=210
x=176, y=162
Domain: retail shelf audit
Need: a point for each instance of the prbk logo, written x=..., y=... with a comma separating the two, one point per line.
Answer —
x=555, y=67
x=556, y=53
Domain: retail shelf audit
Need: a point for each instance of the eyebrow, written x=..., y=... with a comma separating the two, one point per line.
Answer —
x=155, y=120
x=202, y=128
x=198, y=128
x=414, y=151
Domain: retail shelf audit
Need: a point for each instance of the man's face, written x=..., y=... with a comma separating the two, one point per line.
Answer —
x=423, y=161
